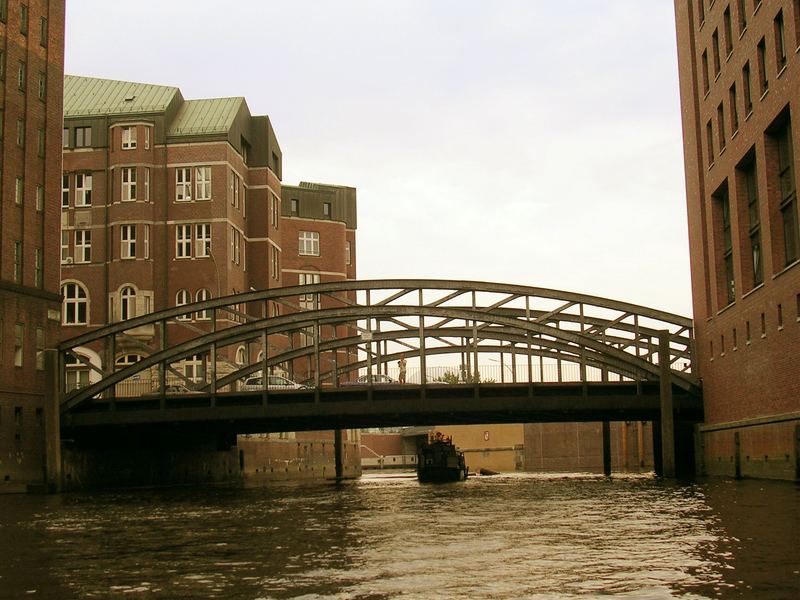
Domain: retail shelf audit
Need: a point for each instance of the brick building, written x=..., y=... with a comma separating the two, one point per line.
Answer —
x=319, y=246
x=31, y=75
x=164, y=202
x=740, y=99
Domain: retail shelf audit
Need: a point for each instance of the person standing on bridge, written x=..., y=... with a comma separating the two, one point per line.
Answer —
x=402, y=365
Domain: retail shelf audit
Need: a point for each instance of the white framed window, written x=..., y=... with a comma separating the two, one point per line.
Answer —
x=240, y=355
x=146, y=241
x=19, y=344
x=64, y=246
x=236, y=245
x=147, y=184
x=83, y=189
x=38, y=268
x=183, y=184
x=128, y=241
x=127, y=303
x=40, y=198
x=128, y=138
x=128, y=184
x=275, y=260
x=202, y=238
x=76, y=373
x=126, y=360
x=83, y=137
x=202, y=177
x=64, y=191
x=234, y=192
x=348, y=257
x=76, y=304
x=193, y=368
x=202, y=295
x=275, y=211
x=17, y=261
x=308, y=243
x=183, y=241
x=147, y=138
x=83, y=245
x=308, y=301
x=19, y=191
x=182, y=298
x=40, y=346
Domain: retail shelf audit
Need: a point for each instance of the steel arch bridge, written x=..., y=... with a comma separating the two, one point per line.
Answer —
x=570, y=357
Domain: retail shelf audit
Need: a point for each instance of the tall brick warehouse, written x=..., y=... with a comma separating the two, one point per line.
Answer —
x=31, y=75
x=739, y=67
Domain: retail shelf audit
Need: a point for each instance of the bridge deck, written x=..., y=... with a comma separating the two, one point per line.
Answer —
x=355, y=407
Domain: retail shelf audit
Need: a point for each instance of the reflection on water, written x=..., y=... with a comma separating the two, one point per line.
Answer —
x=516, y=536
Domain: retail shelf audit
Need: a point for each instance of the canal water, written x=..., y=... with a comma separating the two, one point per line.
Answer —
x=515, y=536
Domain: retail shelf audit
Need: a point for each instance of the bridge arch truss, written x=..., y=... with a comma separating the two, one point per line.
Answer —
x=325, y=335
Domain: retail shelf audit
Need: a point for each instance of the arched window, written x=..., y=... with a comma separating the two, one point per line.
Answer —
x=76, y=372
x=182, y=298
x=76, y=304
x=127, y=360
x=240, y=355
x=127, y=303
x=201, y=295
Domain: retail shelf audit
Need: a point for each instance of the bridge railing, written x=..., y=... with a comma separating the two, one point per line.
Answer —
x=331, y=333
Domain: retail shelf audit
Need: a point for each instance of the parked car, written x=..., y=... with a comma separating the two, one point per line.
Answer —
x=173, y=389
x=276, y=382
x=374, y=378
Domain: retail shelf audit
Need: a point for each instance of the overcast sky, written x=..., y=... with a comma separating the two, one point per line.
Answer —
x=526, y=141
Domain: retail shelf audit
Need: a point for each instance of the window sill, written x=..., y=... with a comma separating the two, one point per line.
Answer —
x=755, y=289
x=749, y=114
x=781, y=72
x=728, y=56
x=726, y=308
x=786, y=268
x=758, y=6
x=735, y=133
x=764, y=95
x=742, y=32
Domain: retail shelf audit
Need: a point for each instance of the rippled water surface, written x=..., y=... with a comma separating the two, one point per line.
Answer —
x=521, y=536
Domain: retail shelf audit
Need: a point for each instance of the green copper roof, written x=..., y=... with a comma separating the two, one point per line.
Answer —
x=214, y=115
x=84, y=96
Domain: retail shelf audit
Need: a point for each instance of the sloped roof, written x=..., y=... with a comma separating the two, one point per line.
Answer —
x=213, y=115
x=85, y=96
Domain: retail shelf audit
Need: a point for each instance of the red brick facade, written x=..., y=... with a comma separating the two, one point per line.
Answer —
x=32, y=68
x=739, y=66
x=319, y=246
x=179, y=210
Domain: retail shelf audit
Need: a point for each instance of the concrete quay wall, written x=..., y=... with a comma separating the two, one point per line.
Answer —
x=765, y=448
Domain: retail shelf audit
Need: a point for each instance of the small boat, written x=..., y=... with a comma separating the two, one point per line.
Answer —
x=440, y=461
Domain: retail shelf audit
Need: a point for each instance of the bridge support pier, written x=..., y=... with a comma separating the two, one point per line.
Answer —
x=52, y=420
x=606, y=448
x=338, y=454
x=667, y=416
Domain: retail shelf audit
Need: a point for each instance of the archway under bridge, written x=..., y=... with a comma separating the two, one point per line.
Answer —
x=509, y=352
